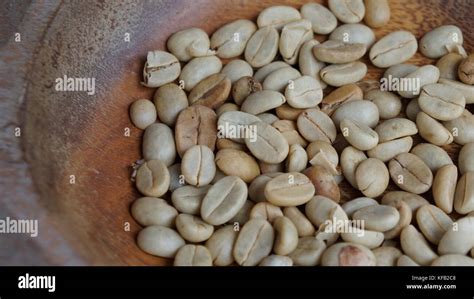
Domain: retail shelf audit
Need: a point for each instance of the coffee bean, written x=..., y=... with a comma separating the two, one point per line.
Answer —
x=224, y=200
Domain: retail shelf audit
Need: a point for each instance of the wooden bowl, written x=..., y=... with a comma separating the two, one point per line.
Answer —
x=70, y=166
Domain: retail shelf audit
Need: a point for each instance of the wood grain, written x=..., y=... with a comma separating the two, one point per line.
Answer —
x=68, y=134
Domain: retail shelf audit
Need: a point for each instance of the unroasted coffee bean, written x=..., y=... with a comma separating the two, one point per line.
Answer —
x=388, y=103
x=377, y=13
x=462, y=128
x=466, y=89
x=459, y=239
x=266, y=211
x=340, y=96
x=464, y=196
x=394, y=48
x=359, y=135
x=235, y=125
x=387, y=256
x=197, y=166
x=193, y=229
x=466, y=158
x=237, y=69
x=432, y=130
x=410, y=173
x=425, y=75
x=244, y=87
x=441, y=101
x=322, y=19
x=406, y=216
x=348, y=254
x=277, y=16
x=399, y=71
x=188, y=199
x=316, y=125
x=444, y=186
x=143, y=113
x=347, y=11
x=224, y=200
x=255, y=242
x=302, y=224
x=324, y=182
x=170, y=100
x=466, y=70
x=414, y=201
x=304, y=92
x=160, y=241
x=189, y=43
x=448, y=66
x=350, y=160
x=412, y=109
x=333, y=51
x=289, y=131
x=356, y=204
x=321, y=153
x=406, y=261
x=262, y=46
x=160, y=68
x=361, y=111
x=153, y=211
x=276, y=261
x=153, y=178
x=308, y=252
x=266, y=70
x=433, y=223
x=268, y=145
x=193, y=255
x=395, y=128
x=261, y=101
x=308, y=64
x=198, y=69
x=434, y=156
x=292, y=37
x=237, y=163
x=345, y=73
x=367, y=238
x=415, y=246
x=451, y=260
x=211, y=92
x=388, y=150
x=279, y=79
x=372, y=177
x=230, y=40
x=196, y=125
x=297, y=158
x=379, y=218
x=286, y=236
x=321, y=210
x=354, y=34
x=227, y=107
x=158, y=144
x=289, y=189
x=438, y=41
x=221, y=245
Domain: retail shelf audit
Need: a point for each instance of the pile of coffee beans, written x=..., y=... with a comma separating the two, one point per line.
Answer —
x=264, y=146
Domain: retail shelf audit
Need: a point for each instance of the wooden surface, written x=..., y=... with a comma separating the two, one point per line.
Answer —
x=66, y=134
